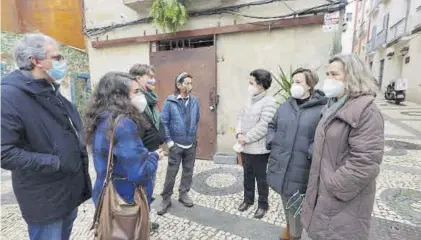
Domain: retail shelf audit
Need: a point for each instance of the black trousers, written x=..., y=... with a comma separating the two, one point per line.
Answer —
x=177, y=156
x=254, y=166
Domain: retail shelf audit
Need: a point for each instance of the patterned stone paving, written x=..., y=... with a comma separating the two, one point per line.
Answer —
x=217, y=192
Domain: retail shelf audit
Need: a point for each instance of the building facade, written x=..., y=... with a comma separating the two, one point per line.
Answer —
x=392, y=42
x=218, y=47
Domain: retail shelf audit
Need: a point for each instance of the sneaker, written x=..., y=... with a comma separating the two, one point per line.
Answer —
x=186, y=200
x=165, y=205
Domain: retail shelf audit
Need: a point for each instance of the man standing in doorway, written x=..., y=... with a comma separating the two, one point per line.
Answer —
x=180, y=117
x=41, y=141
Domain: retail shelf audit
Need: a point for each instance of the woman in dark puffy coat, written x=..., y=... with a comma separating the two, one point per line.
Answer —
x=290, y=139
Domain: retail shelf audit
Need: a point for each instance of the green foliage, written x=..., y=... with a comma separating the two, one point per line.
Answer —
x=170, y=15
x=284, y=81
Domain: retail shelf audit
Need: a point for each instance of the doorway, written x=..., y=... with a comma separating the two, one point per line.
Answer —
x=381, y=71
x=196, y=56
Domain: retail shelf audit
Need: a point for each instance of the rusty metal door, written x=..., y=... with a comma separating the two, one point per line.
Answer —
x=200, y=63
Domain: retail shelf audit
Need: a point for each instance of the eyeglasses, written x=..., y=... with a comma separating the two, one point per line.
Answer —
x=58, y=57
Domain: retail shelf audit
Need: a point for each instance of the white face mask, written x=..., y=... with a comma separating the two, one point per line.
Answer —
x=139, y=101
x=333, y=88
x=298, y=91
x=252, y=90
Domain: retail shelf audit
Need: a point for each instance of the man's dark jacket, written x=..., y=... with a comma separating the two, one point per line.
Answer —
x=41, y=143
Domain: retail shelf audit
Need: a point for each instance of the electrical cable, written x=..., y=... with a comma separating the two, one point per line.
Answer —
x=323, y=8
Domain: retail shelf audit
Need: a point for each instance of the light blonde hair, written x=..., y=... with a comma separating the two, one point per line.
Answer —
x=358, y=77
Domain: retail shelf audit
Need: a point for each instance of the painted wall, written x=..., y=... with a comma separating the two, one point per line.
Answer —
x=60, y=19
x=9, y=16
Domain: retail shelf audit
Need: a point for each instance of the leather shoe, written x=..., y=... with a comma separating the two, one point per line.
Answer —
x=260, y=213
x=243, y=207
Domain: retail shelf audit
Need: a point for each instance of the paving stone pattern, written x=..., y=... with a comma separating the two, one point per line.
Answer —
x=217, y=192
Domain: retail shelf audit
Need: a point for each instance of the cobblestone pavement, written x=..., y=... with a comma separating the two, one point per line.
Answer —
x=217, y=191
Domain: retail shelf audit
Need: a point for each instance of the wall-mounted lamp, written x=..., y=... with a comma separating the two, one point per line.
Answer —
x=404, y=51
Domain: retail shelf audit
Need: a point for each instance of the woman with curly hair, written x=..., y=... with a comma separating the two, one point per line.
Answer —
x=118, y=94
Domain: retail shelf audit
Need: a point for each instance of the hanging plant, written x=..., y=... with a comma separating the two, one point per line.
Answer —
x=170, y=15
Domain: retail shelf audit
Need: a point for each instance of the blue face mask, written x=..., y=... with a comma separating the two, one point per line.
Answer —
x=58, y=71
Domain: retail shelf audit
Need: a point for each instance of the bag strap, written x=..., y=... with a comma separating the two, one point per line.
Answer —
x=110, y=164
x=110, y=160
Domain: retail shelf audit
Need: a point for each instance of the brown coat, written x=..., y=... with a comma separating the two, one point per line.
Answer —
x=347, y=153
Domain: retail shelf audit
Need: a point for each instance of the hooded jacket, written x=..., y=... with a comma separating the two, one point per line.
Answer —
x=41, y=143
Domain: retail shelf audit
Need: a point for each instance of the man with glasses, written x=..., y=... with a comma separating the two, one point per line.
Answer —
x=41, y=141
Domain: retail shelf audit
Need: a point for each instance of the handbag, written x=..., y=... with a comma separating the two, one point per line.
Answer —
x=295, y=203
x=116, y=219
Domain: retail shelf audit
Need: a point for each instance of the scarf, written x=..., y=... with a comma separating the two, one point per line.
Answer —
x=332, y=107
x=151, y=109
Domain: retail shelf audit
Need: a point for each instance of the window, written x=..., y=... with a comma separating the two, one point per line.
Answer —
x=182, y=43
x=348, y=17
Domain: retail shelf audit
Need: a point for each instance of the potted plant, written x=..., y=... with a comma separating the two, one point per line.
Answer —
x=284, y=81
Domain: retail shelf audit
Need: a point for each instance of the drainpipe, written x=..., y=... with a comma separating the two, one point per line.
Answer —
x=408, y=10
x=362, y=19
x=355, y=23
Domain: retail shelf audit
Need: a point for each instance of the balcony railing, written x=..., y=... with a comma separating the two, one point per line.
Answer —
x=397, y=30
x=381, y=38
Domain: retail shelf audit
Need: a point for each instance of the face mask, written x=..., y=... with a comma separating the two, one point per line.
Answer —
x=333, y=88
x=151, y=83
x=139, y=101
x=297, y=91
x=58, y=71
x=252, y=90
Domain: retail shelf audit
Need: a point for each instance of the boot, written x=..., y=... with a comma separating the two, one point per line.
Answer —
x=285, y=234
x=186, y=200
x=165, y=205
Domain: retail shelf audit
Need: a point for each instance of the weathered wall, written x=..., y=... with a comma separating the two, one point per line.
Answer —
x=244, y=52
x=119, y=58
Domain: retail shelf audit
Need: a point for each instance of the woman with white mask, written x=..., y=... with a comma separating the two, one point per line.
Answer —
x=251, y=134
x=290, y=139
x=348, y=150
x=114, y=112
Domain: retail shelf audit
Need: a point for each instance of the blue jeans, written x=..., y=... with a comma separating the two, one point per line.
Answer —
x=58, y=230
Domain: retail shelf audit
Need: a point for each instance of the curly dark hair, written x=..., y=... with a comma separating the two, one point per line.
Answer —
x=112, y=97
